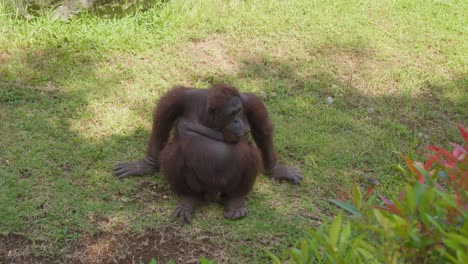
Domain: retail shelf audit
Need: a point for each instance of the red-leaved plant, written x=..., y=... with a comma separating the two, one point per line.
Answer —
x=425, y=223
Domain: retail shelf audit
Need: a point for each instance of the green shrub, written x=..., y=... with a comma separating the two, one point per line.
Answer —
x=426, y=223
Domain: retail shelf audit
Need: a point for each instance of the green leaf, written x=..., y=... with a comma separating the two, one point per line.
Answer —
x=357, y=196
x=296, y=254
x=456, y=237
x=334, y=231
x=274, y=259
x=425, y=174
x=318, y=237
x=419, y=190
x=403, y=171
x=346, y=206
x=366, y=254
x=452, y=258
x=315, y=245
x=304, y=245
x=382, y=220
x=153, y=261
x=204, y=260
x=410, y=199
x=435, y=223
x=345, y=234
x=443, y=174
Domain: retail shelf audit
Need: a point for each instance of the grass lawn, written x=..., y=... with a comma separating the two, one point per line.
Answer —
x=348, y=85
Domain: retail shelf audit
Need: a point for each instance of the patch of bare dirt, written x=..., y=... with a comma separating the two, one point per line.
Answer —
x=163, y=245
x=4, y=57
x=355, y=66
x=151, y=191
x=169, y=243
x=351, y=66
x=17, y=249
x=211, y=53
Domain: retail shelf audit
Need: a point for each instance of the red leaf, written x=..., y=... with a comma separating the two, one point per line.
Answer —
x=402, y=194
x=370, y=189
x=421, y=179
x=431, y=160
x=344, y=195
x=433, y=148
x=445, y=153
x=383, y=209
x=458, y=151
x=463, y=183
x=343, y=189
x=385, y=200
x=390, y=206
x=463, y=132
x=452, y=175
x=411, y=167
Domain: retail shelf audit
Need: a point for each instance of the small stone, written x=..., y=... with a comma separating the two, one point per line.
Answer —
x=370, y=110
x=330, y=99
x=372, y=181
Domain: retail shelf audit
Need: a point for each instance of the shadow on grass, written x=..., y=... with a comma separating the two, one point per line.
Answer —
x=337, y=133
x=56, y=183
x=60, y=201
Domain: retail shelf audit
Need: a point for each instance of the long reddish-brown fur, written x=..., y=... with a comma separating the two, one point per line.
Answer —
x=204, y=163
x=183, y=160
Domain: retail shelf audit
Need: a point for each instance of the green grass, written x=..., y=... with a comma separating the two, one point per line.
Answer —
x=76, y=97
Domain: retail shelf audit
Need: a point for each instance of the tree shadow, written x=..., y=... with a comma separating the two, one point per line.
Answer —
x=56, y=160
x=339, y=133
x=56, y=176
